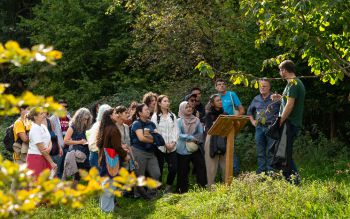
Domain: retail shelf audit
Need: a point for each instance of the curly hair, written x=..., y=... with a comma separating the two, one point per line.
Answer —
x=147, y=97
x=81, y=120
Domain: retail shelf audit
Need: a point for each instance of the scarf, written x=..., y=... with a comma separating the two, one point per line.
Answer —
x=189, y=121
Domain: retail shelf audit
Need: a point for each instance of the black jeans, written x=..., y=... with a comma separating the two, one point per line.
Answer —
x=171, y=159
x=183, y=169
x=292, y=133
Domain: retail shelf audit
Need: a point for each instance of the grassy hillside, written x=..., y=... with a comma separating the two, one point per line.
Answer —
x=248, y=197
x=324, y=191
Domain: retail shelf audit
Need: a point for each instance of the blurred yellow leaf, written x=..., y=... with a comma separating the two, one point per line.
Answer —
x=256, y=85
x=76, y=204
x=151, y=183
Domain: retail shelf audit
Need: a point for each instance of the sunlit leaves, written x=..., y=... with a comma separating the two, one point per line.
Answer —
x=205, y=69
x=13, y=53
x=20, y=193
x=317, y=30
x=236, y=77
x=9, y=103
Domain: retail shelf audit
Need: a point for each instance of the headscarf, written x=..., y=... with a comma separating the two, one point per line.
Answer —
x=190, y=121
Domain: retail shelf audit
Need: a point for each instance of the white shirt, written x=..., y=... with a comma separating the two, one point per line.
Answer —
x=167, y=128
x=91, y=136
x=38, y=134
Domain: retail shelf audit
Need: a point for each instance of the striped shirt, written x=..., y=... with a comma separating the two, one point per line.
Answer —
x=167, y=127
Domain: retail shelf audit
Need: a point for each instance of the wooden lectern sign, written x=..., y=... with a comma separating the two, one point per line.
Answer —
x=228, y=126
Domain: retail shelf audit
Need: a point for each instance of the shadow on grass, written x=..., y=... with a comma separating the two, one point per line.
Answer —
x=134, y=208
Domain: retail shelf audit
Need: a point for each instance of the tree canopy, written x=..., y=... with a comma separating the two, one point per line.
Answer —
x=316, y=30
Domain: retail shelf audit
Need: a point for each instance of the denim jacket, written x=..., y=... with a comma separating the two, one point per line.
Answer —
x=183, y=137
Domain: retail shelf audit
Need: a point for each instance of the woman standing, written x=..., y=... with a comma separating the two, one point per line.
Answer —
x=110, y=155
x=215, y=146
x=167, y=126
x=188, y=148
x=143, y=148
x=92, y=136
x=39, y=158
x=122, y=116
x=76, y=137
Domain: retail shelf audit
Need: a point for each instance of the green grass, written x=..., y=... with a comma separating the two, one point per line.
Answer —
x=249, y=196
x=324, y=191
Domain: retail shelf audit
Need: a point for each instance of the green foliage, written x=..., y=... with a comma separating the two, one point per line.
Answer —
x=95, y=47
x=171, y=37
x=316, y=30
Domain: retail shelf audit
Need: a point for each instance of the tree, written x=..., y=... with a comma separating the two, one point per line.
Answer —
x=95, y=46
x=171, y=37
x=317, y=30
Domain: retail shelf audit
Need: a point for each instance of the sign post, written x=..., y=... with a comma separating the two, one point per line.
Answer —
x=228, y=126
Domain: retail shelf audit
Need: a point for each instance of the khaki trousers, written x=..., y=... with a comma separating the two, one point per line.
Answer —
x=213, y=164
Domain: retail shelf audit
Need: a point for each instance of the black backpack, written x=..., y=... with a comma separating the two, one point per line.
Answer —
x=171, y=116
x=9, y=138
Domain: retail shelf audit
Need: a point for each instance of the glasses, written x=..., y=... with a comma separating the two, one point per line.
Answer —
x=282, y=70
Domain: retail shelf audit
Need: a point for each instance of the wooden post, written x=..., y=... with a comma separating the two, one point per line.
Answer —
x=228, y=126
x=229, y=157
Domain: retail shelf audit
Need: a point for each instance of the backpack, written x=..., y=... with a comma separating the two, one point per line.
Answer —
x=171, y=116
x=9, y=138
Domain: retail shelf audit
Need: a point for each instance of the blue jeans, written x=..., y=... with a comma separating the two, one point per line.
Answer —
x=236, y=166
x=263, y=148
x=56, y=158
x=93, y=159
x=61, y=163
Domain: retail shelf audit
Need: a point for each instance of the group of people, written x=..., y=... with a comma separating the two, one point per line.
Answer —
x=145, y=136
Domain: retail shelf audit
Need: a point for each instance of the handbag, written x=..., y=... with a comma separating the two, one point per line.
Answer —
x=236, y=112
x=274, y=130
x=191, y=146
x=217, y=146
x=112, y=161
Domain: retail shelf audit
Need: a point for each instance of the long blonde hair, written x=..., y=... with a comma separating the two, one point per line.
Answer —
x=79, y=120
